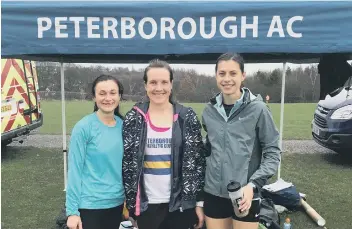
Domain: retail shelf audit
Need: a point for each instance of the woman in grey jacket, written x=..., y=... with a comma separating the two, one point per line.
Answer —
x=242, y=145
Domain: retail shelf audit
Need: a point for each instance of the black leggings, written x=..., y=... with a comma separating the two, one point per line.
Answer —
x=101, y=218
x=157, y=216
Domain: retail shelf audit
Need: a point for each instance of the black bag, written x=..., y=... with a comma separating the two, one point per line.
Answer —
x=268, y=216
x=288, y=197
x=61, y=220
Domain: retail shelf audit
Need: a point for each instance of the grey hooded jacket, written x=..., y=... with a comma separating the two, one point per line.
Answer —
x=243, y=147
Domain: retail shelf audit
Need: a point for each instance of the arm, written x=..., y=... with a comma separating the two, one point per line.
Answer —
x=269, y=141
x=129, y=161
x=76, y=157
x=200, y=164
x=197, y=148
x=206, y=145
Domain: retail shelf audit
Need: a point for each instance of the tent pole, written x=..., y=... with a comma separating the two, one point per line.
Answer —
x=63, y=114
x=282, y=113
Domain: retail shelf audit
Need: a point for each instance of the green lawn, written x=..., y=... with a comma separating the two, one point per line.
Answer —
x=297, y=117
x=32, y=187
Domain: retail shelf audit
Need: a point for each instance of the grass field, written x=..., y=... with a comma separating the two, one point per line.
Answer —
x=32, y=188
x=297, y=117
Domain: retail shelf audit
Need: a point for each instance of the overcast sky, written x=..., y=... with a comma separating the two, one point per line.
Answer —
x=209, y=69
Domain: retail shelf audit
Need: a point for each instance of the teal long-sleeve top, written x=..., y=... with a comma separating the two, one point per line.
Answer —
x=94, y=166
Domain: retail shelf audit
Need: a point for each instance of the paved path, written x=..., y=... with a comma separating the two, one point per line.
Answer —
x=55, y=141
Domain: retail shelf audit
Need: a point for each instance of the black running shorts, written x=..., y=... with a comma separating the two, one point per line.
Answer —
x=221, y=208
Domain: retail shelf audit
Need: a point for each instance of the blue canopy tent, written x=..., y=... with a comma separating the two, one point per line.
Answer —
x=183, y=31
x=192, y=32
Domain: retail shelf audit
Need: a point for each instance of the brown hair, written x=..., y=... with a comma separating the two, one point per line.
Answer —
x=156, y=63
x=120, y=86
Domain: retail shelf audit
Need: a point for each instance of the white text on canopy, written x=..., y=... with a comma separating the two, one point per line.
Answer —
x=164, y=28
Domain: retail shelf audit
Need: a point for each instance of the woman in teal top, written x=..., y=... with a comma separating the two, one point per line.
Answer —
x=95, y=193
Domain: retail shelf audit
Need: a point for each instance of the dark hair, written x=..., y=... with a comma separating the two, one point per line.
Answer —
x=102, y=78
x=231, y=56
x=156, y=63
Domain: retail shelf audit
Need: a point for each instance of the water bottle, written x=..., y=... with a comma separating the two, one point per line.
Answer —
x=236, y=195
x=287, y=224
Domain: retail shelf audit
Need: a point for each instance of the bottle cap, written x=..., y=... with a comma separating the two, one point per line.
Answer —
x=233, y=186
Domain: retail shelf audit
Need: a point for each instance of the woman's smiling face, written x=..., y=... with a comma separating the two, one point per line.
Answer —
x=229, y=77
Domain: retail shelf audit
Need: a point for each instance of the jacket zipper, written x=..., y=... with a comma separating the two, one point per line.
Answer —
x=172, y=163
x=141, y=147
x=173, y=166
x=243, y=105
x=183, y=134
x=222, y=118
